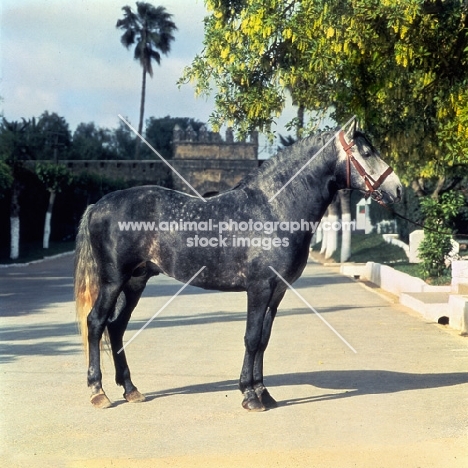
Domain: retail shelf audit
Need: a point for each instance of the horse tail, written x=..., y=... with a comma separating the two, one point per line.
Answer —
x=86, y=276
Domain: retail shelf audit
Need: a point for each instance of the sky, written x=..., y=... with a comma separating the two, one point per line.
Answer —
x=65, y=56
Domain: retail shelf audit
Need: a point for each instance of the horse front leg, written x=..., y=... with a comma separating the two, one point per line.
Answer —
x=262, y=393
x=96, y=322
x=257, y=303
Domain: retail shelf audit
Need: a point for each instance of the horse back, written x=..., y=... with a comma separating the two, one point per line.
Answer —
x=179, y=234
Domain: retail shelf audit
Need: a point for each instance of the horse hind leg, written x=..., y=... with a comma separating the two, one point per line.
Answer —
x=96, y=324
x=126, y=303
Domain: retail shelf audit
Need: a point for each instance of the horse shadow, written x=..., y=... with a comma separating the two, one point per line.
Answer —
x=38, y=340
x=343, y=383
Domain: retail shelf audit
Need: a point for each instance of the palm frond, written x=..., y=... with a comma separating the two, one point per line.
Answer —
x=150, y=29
x=143, y=8
x=128, y=38
x=130, y=20
x=154, y=55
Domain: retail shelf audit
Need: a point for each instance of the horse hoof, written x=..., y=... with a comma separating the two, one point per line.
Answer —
x=100, y=401
x=265, y=398
x=251, y=402
x=134, y=396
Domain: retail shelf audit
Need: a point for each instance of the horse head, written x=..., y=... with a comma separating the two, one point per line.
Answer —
x=364, y=169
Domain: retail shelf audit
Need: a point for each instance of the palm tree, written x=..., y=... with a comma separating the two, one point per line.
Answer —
x=151, y=30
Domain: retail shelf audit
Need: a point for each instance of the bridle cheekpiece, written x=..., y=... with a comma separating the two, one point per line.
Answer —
x=371, y=184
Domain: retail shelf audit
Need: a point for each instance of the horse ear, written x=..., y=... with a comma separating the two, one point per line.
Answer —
x=350, y=132
x=354, y=128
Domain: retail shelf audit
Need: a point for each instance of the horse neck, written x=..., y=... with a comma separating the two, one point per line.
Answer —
x=310, y=191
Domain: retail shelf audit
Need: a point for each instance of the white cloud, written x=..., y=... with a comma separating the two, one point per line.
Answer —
x=66, y=57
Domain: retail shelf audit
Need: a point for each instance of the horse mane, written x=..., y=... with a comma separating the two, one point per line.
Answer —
x=361, y=138
x=286, y=155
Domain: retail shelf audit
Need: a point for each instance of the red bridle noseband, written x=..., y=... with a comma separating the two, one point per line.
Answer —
x=372, y=185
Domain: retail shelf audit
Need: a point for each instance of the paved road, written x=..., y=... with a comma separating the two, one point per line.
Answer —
x=400, y=401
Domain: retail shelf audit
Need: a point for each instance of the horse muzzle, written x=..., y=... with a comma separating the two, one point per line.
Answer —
x=384, y=197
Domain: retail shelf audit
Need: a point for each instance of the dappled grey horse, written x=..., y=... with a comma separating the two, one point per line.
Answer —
x=134, y=234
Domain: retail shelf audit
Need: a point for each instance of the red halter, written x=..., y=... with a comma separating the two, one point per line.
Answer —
x=371, y=183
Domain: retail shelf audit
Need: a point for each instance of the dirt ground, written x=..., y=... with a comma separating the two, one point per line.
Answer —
x=400, y=401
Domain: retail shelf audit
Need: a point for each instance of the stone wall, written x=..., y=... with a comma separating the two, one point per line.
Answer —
x=136, y=172
x=188, y=144
x=209, y=163
x=208, y=175
x=205, y=160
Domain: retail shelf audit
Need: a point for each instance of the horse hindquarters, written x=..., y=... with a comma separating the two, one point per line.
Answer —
x=88, y=296
x=97, y=287
x=87, y=293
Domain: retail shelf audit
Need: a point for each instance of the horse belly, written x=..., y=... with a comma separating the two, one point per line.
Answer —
x=214, y=268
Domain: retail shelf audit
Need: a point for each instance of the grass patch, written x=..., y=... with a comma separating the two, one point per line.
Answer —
x=34, y=251
x=372, y=248
x=414, y=269
x=409, y=268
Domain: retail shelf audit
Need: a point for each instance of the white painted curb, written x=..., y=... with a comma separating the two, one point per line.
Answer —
x=3, y=265
x=412, y=291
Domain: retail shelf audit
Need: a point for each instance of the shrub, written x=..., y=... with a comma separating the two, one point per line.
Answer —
x=436, y=245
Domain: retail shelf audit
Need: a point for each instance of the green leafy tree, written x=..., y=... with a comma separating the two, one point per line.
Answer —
x=400, y=65
x=92, y=143
x=151, y=30
x=18, y=144
x=54, y=177
x=122, y=141
x=47, y=138
x=6, y=178
x=159, y=133
x=53, y=137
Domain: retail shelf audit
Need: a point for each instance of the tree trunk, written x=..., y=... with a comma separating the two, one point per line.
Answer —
x=15, y=220
x=48, y=217
x=142, y=113
x=300, y=122
x=417, y=186
x=345, y=202
x=438, y=188
x=323, y=247
x=332, y=232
